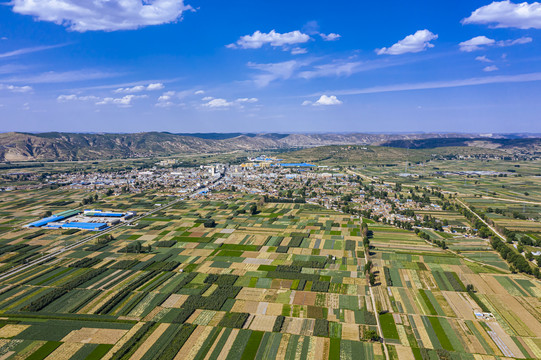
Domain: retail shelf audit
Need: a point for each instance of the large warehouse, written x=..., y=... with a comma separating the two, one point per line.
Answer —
x=92, y=220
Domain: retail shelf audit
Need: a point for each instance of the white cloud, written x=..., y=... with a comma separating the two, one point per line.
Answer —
x=164, y=104
x=306, y=103
x=330, y=37
x=125, y=101
x=73, y=97
x=110, y=15
x=497, y=79
x=29, y=50
x=332, y=69
x=166, y=96
x=134, y=89
x=476, y=43
x=199, y=92
x=165, y=99
x=275, y=39
x=415, y=43
x=63, y=98
x=218, y=103
x=480, y=42
x=155, y=86
x=519, y=41
x=247, y=100
x=16, y=89
x=490, y=68
x=483, y=59
x=298, y=51
x=505, y=14
x=19, y=89
x=139, y=88
x=61, y=77
x=274, y=71
x=325, y=100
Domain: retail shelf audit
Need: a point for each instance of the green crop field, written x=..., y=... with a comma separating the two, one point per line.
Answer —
x=287, y=281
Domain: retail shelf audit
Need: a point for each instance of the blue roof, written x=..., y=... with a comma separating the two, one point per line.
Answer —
x=85, y=226
x=106, y=214
x=45, y=221
x=296, y=165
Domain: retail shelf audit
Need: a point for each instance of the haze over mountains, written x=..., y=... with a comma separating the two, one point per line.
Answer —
x=15, y=146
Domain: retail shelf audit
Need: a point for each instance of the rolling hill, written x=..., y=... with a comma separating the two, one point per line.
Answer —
x=16, y=146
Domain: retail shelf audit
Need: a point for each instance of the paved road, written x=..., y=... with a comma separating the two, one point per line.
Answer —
x=484, y=222
x=373, y=298
x=94, y=236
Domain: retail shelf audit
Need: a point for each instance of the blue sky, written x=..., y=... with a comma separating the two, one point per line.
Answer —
x=260, y=66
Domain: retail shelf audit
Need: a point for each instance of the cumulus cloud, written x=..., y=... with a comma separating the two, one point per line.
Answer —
x=125, y=101
x=483, y=59
x=166, y=96
x=505, y=14
x=139, y=88
x=218, y=103
x=475, y=43
x=306, y=103
x=273, y=38
x=481, y=42
x=490, y=68
x=16, y=89
x=325, y=100
x=199, y=92
x=415, y=43
x=330, y=36
x=108, y=15
x=155, y=86
x=165, y=99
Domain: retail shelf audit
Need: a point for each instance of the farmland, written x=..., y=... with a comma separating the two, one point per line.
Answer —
x=231, y=275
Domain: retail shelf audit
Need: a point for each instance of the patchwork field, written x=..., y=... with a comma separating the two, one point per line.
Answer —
x=286, y=282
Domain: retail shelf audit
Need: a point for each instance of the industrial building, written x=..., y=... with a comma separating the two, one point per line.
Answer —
x=54, y=218
x=89, y=219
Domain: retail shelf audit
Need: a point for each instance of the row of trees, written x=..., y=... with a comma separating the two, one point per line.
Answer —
x=517, y=262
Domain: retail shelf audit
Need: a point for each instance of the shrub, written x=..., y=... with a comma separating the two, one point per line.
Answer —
x=371, y=335
x=277, y=327
x=165, y=243
x=209, y=223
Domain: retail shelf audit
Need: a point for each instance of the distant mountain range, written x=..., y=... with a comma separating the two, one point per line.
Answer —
x=16, y=146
